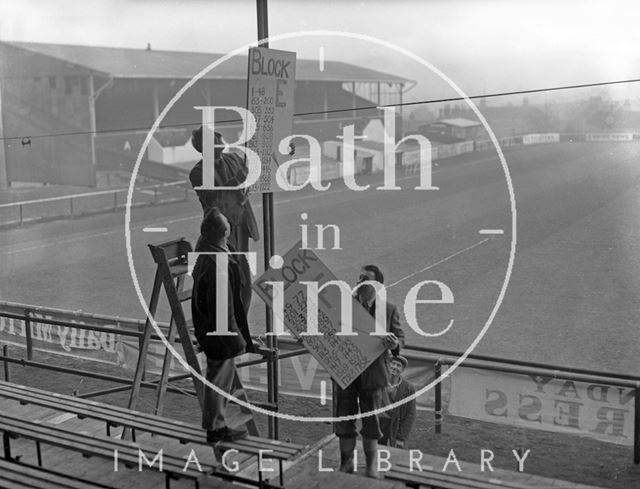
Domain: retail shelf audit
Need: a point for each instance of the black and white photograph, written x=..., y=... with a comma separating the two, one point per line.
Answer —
x=320, y=244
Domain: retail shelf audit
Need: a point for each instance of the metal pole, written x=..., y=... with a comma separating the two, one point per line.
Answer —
x=92, y=123
x=354, y=100
x=636, y=427
x=400, y=108
x=4, y=176
x=27, y=330
x=438, y=407
x=268, y=243
x=5, y=354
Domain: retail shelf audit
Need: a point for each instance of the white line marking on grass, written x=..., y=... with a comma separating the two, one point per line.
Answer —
x=468, y=248
x=491, y=231
x=155, y=230
x=62, y=241
x=89, y=236
x=199, y=216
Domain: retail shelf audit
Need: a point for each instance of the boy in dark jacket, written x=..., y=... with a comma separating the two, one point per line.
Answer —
x=396, y=428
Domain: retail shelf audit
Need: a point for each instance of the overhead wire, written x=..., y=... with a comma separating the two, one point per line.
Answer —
x=335, y=111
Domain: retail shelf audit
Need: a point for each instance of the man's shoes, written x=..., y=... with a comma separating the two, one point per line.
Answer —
x=225, y=434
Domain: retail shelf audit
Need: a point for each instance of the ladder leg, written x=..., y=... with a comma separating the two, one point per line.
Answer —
x=134, y=395
x=161, y=390
x=181, y=327
x=240, y=393
x=144, y=344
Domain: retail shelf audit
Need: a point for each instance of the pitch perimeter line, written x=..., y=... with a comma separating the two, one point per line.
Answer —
x=199, y=215
x=468, y=248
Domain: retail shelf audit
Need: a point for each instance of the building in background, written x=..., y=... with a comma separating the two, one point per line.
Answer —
x=77, y=110
x=452, y=130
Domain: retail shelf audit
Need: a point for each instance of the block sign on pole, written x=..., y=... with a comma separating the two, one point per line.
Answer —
x=344, y=357
x=270, y=91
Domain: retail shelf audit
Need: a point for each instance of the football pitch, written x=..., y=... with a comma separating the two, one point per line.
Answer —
x=572, y=298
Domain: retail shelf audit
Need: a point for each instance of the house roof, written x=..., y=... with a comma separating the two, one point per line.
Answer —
x=143, y=63
x=459, y=122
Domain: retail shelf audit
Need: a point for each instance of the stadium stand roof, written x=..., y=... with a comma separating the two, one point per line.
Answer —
x=378, y=146
x=145, y=63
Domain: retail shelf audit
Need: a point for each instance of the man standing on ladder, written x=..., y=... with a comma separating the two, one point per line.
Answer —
x=220, y=350
x=230, y=170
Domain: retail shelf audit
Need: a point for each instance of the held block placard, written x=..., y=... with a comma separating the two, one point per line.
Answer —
x=344, y=357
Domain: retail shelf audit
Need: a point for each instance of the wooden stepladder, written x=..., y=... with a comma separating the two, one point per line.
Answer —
x=171, y=259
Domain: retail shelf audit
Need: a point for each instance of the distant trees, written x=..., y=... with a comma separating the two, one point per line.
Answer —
x=596, y=113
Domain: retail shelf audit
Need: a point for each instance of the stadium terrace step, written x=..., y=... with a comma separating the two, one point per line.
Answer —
x=115, y=416
x=445, y=481
x=413, y=468
x=127, y=453
x=432, y=476
x=20, y=476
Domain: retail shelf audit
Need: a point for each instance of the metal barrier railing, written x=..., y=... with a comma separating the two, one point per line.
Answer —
x=440, y=357
x=483, y=362
x=16, y=213
x=66, y=206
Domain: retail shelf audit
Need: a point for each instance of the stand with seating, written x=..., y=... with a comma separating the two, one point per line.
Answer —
x=114, y=416
x=21, y=476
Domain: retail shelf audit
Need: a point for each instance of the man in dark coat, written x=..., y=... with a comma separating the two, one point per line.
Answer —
x=365, y=393
x=220, y=350
x=396, y=428
x=230, y=170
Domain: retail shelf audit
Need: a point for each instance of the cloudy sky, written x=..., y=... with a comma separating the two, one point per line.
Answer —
x=484, y=46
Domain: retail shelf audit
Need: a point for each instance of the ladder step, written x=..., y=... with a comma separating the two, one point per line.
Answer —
x=266, y=405
x=235, y=420
x=177, y=270
x=185, y=295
